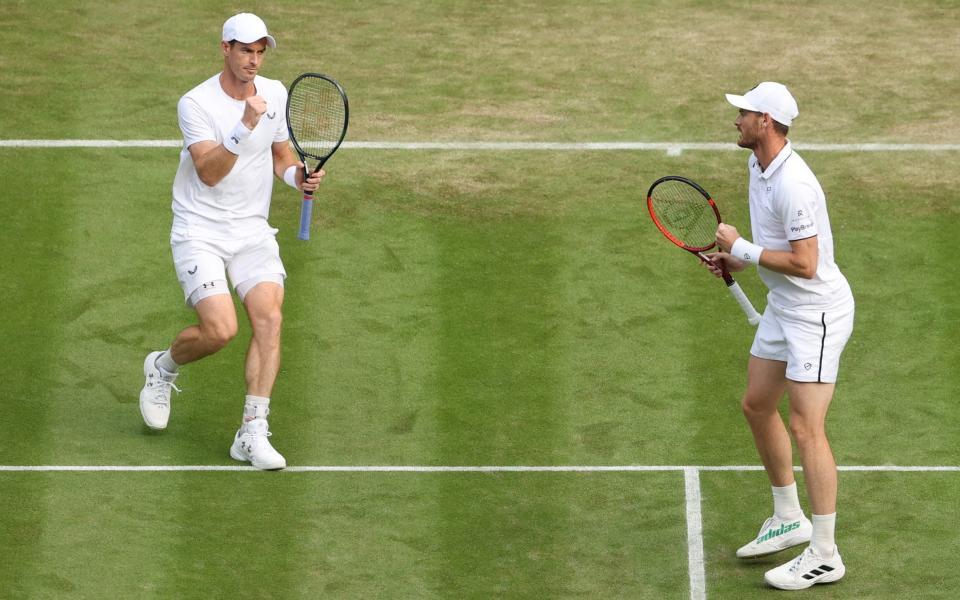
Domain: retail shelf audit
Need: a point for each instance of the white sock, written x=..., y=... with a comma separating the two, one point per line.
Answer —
x=165, y=362
x=822, y=540
x=786, y=503
x=255, y=407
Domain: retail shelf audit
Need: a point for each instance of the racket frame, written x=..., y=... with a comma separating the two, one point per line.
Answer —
x=306, y=208
x=753, y=317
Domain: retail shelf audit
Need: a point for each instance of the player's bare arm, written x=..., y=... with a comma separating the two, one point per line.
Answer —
x=799, y=261
x=283, y=159
x=212, y=160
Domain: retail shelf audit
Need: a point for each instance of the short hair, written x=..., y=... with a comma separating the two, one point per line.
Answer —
x=780, y=128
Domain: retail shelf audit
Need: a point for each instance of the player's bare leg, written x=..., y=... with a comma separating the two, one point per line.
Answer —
x=809, y=403
x=263, y=303
x=788, y=527
x=808, y=413
x=217, y=326
x=766, y=384
x=821, y=561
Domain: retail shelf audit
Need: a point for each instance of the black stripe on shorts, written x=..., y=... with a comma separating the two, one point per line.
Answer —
x=823, y=341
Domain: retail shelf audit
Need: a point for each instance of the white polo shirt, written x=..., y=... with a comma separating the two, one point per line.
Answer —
x=787, y=204
x=239, y=204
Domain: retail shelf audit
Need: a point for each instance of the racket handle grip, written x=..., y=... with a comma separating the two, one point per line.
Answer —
x=753, y=317
x=306, y=216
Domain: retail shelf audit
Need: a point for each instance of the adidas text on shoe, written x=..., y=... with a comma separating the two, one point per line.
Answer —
x=777, y=534
x=252, y=445
x=155, y=395
x=806, y=570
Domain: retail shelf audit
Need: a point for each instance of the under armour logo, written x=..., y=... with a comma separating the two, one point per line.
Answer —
x=194, y=270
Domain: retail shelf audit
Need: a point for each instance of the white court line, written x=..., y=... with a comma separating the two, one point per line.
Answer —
x=671, y=148
x=458, y=469
x=696, y=568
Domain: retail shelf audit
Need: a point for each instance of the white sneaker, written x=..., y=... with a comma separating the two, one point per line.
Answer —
x=806, y=570
x=251, y=445
x=155, y=395
x=776, y=535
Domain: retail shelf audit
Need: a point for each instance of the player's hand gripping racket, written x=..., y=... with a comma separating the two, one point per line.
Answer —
x=317, y=113
x=685, y=213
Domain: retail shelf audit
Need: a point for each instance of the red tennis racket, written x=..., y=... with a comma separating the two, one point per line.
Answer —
x=686, y=214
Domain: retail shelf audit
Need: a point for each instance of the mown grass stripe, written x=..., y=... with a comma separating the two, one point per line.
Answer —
x=496, y=382
x=35, y=365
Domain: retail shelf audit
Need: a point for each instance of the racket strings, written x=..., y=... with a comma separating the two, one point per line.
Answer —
x=317, y=115
x=685, y=213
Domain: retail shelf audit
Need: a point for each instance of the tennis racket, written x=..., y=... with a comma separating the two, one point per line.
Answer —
x=317, y=115
x=685, y=213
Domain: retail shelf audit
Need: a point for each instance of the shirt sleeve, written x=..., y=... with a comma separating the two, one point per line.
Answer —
x=194, y=124
x=798, y=212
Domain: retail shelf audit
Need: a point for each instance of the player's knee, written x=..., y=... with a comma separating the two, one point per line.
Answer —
x=267, y=323
x=805, y=432
x=219, y=333
x=753, y=408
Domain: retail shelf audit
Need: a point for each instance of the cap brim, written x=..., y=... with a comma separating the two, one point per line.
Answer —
x=741, y=102
x=272, y=43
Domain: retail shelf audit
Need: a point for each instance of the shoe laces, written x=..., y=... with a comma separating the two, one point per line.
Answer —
x=257, y=428
x=766, y=525
x=258, y=441
x=161, y=387
x=800, y=560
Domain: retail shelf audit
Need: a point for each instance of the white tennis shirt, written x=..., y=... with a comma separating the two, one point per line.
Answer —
x=240, y=203
x=787, y=204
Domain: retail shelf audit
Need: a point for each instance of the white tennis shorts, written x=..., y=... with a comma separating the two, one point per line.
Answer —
x=203, y=264
x=809, y=341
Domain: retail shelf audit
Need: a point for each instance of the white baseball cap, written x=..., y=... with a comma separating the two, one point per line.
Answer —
x=247, y=28
x=768, y=97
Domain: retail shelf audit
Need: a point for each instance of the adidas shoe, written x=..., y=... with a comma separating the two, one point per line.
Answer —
x=806, y=570
x=776, y=535
x=251, y=445
x=155, y=395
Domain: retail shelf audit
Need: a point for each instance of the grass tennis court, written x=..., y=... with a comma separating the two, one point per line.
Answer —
x=463, y=308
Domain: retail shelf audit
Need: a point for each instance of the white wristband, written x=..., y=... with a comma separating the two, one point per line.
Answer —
x=746, y=250
x=290, y=176
x=233, y=140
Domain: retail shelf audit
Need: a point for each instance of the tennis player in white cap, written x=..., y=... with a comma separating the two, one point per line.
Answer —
x=806, y=324
x=235, y=142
